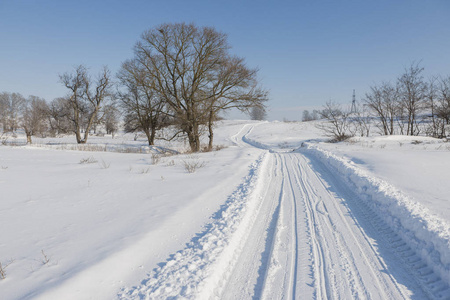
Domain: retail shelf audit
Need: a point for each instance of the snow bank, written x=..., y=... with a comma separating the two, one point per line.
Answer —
x=254, y=143
x=198, y=269
x=426, y=234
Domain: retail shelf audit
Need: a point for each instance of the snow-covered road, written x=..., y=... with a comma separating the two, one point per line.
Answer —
x=304, y=234
x=312, y=240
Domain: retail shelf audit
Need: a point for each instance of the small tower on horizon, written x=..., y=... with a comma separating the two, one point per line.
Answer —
x=353, y=109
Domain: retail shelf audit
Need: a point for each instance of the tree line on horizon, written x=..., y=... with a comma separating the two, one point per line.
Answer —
x=181, y=75
x=411, y=105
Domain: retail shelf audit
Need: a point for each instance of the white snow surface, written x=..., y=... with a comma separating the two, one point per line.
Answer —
x=276, y=214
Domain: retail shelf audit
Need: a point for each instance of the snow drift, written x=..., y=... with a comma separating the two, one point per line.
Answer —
x=427, y=235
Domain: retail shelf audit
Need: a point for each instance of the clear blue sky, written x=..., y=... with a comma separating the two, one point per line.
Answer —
x=308, y=52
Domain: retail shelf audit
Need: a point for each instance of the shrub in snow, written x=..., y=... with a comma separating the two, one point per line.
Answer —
x=88, y=160
x=192, y=165
x=104, y=165
x=3, y=268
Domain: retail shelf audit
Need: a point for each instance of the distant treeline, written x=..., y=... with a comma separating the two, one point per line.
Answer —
x=411, y=105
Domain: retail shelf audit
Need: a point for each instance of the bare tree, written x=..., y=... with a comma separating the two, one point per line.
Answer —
x=192, y=72
x=58, y=112
x=143, y=107
x=412, y=90
x=383, y=101
x=10, y=110
x=4, y=108
x=439, y=102
x=33, y=119
x=338, y=122
x=86, y=99
x=306, y=116
x=258, y=113
x=434, y=126
x=361, y=119
x=111, y=119
x=232, y=85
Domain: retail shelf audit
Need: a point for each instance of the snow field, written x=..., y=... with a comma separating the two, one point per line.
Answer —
x=103, y=228
x=197, y=271
x=426, y=234
x=325, y=221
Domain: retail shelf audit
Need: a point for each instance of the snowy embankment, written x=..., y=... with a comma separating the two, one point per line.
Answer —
x=198, y=270
x=105, y=219
x=426, y=234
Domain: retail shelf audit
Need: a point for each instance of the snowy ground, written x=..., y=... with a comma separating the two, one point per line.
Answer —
x=276, y=214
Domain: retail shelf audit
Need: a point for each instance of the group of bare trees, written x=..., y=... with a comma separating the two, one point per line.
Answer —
x=184, y=75
x=308, y=116
x=18, y=112
x=88, y=102
x=88, y=105
x=180, y=75
x=410, y=106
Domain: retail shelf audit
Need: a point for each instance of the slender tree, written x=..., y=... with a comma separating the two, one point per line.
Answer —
x=383, y=101
x=412, y=91
x=33, y=117
x=86, y=99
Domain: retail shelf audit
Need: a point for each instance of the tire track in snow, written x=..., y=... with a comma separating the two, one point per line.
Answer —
x=386, y=252
x=317, y=250
x=348, y=257
x=248, y=278
x=422, y=237
x=330, y=220
x=430, y=284
x=294, y=235
x=341, y=260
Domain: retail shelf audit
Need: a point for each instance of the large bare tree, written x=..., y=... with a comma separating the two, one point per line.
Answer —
x=86, y=99
x=143, y=107
x=191, y=70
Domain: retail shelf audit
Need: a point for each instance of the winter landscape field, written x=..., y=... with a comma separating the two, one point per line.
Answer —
x=229, y=150
x=275, y=213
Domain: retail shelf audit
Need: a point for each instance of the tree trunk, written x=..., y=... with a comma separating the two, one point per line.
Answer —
x=78, y=135
x=90, y=124
x=29, y=138
x=194, y=137
x=210, y=129
x=391, y=124
x=86, y=134
x=150, y=136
